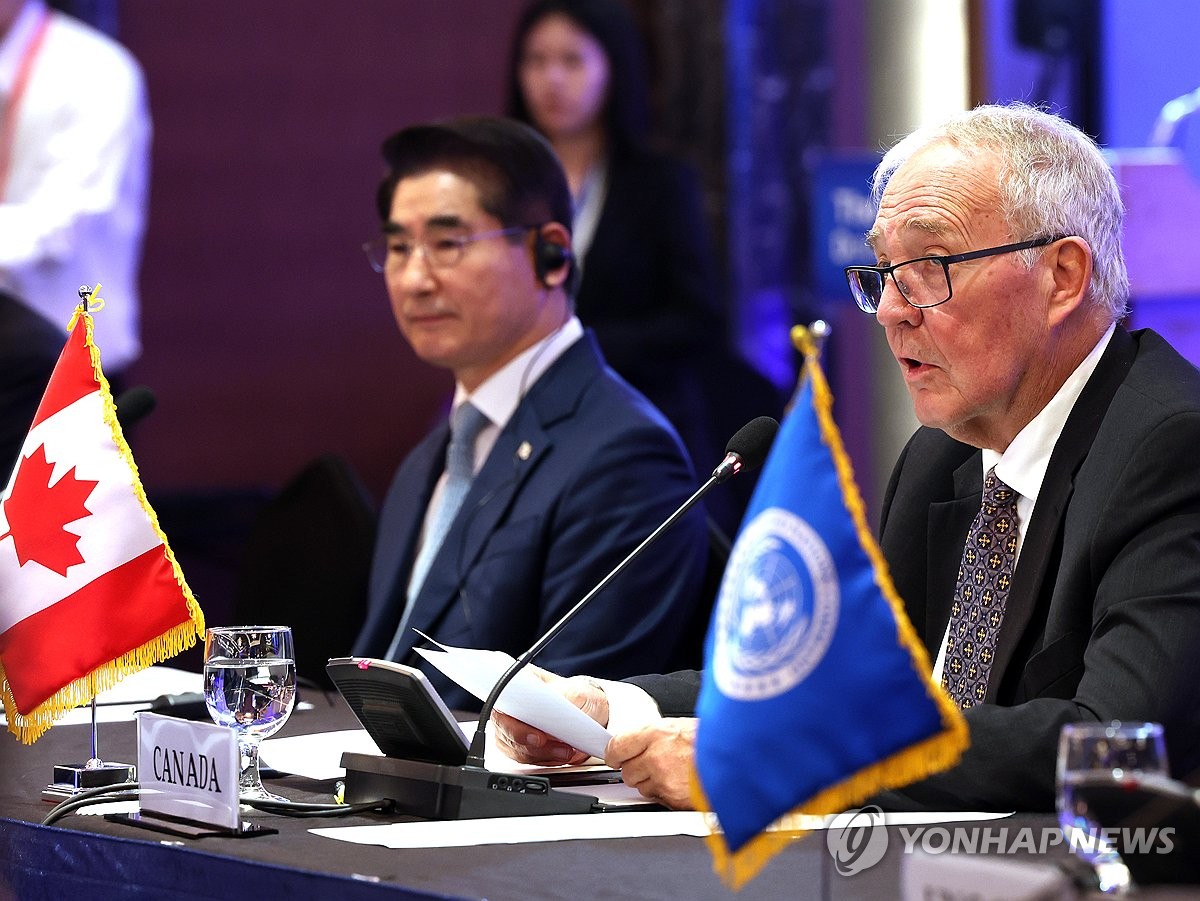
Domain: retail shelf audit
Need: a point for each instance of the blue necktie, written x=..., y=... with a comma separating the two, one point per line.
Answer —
x=984, y=579
x=465, y=426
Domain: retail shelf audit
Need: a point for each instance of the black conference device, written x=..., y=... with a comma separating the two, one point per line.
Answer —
x=426, y=750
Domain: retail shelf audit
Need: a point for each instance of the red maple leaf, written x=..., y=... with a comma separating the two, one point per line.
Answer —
x=37, y=512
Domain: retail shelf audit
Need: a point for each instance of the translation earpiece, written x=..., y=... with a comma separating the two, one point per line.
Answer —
x=548, y=257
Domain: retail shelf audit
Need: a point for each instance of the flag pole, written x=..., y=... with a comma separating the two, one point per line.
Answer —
x=94, y=762
x=809, y=340
x=71, y=778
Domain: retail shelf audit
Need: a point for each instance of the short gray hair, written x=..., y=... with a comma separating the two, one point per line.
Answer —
x=1053, y=181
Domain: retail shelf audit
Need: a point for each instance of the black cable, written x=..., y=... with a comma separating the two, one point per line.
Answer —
x=304, y=809
x=121, y=791
x=129, y=791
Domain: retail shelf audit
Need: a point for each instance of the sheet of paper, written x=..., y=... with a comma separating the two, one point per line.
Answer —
x=318, y=756
x=811, y=822
x=527, y=697
x=614, y=794
x=517, y=830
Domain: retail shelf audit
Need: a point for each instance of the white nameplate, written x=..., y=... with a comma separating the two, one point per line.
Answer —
x=188, y=769
x=982, y=877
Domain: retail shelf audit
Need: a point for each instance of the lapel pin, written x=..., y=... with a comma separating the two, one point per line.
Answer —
x=524, y=450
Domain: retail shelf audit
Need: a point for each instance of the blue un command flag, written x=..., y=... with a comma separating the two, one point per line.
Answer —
x=816, y=690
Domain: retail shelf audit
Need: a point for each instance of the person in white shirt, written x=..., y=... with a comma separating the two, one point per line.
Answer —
x=74, y=162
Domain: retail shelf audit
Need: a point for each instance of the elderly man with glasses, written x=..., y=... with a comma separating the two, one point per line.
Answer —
x=551, y=469
x=1043, y=525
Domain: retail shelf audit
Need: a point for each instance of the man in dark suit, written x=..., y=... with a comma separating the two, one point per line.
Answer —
x=29, y=348
x=1001, y=286
x=567, y=468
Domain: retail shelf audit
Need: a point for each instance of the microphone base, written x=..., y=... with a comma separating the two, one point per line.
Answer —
x=439, y=792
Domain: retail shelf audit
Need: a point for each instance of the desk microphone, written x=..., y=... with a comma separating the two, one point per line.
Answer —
x=746, y=450
x=134, y=405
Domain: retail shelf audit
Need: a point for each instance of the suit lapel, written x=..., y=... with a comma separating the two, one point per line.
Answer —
x=486, y=505
x=949, y=523
x=1032, y=582
x=526, y=439
x=401, y=517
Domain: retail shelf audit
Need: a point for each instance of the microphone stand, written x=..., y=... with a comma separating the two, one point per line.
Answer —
x=479, y=740
x=470, y=790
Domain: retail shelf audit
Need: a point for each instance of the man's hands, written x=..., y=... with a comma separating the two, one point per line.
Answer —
x=525, y=744
x=657, y=760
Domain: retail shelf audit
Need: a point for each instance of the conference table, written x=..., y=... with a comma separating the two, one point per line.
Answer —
x=91, y=857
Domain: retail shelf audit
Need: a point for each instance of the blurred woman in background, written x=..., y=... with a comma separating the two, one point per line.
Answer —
x=651, y=284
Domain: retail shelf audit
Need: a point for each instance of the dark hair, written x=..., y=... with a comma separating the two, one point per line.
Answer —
x=514, y=169
x=627, y=107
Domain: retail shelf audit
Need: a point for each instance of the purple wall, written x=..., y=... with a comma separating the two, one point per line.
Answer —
x=267, y=338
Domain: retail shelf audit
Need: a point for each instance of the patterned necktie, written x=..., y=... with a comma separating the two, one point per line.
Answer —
x=984, y=579
x=465, y=426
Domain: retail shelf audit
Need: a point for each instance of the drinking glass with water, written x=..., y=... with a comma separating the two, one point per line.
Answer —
x=250, y=686
x=1093, y=758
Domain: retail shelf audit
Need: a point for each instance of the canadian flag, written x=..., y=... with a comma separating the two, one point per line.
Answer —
x=89, y=588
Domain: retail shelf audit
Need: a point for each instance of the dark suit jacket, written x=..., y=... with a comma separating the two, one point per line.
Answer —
x=651, y=288
x=538, y=530
x=1103, y=620
x=653, y=293
x=29, y=348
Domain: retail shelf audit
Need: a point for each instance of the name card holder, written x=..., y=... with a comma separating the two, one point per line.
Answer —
x=189, y=780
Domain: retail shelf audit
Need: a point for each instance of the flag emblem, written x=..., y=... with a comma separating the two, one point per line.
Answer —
x=38, y=512
x=778, y=607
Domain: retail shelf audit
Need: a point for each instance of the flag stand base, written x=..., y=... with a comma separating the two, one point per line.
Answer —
x=71, y=778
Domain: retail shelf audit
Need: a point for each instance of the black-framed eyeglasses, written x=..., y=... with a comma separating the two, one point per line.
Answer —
x=925, y=281
x=393, y=252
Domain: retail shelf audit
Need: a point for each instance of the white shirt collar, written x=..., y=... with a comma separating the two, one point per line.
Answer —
x=1023, y=465
x=497, y=398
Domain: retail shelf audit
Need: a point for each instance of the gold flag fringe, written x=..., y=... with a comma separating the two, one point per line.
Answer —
x=81, y=691
x=931, y=755
x=174, y=641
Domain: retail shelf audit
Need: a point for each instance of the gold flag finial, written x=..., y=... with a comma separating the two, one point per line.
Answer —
x=90, y=301
x=808, y=339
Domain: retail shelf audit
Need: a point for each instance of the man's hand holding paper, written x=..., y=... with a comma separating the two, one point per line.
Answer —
x=569, y=721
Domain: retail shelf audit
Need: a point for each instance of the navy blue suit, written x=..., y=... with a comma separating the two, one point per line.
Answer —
x=583, y=472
